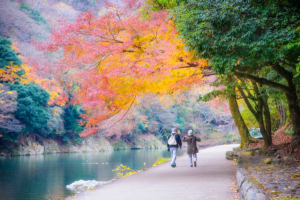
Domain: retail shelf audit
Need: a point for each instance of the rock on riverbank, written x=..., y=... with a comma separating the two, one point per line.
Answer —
x=82, y=185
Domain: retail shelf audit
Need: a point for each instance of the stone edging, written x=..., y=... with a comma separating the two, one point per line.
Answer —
x=246, y=186
x=246, y=189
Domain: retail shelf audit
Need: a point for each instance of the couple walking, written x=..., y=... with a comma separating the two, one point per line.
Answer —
x=174, y=142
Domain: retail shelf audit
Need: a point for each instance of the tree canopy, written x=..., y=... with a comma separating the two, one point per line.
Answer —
x=246, y=40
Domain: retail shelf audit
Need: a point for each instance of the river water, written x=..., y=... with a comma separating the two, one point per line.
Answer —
x=46, y=176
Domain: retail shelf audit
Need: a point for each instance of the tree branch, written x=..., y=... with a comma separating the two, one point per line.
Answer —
x=263, y=81
x=124, y=114
x=246, y=100
x=284, y=73
x=288, y=64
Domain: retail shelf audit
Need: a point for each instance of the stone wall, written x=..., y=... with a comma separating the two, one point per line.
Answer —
x=246, y=188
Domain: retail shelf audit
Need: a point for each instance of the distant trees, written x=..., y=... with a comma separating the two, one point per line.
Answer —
x=158, y=115
x=35, y=4
x=24, y=106
x=84, y=5
x=34, y=14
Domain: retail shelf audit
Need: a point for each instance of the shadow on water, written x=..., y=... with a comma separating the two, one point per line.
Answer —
x=46, y=176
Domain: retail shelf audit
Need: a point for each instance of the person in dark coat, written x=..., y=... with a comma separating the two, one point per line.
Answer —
x=173, y=143
x=192, y=149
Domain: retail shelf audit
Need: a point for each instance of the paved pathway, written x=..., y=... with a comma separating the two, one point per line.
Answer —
x=211, y=179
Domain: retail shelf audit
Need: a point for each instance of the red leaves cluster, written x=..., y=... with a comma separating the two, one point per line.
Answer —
x=109, y=59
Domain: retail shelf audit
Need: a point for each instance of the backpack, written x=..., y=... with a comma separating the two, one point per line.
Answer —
x=172, y=140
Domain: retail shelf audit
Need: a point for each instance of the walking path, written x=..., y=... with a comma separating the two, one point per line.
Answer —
x=211, y=179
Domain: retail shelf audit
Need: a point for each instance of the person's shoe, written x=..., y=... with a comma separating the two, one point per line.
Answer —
x=195, y=164
x=191, y=165
x=173, y=165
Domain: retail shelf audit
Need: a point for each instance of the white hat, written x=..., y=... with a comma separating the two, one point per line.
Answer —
x=190, y=133
x=174, y=130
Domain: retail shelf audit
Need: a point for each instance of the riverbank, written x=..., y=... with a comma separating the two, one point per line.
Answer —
x=213, y=178
x=27, y=146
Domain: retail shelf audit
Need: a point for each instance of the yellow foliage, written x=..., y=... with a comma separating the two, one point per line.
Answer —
x=8, y=74
x=49, y=85
x=124, y=168
x=160, y=160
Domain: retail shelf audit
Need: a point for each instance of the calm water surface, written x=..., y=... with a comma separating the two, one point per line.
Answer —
x=46, y=176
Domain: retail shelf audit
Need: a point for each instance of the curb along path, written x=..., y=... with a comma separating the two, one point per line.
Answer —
x=211, y=179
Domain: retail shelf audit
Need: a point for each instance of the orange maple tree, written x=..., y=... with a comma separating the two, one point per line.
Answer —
x=112, y=57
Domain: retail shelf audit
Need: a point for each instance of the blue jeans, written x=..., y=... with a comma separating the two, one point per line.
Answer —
x=173, y=151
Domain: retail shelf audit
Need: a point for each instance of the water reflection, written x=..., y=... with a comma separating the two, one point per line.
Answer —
x=46, y=176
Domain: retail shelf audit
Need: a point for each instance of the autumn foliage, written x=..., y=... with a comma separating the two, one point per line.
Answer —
x=112, y=57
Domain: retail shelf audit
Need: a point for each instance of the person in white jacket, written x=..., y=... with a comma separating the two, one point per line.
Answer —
x=173, y=143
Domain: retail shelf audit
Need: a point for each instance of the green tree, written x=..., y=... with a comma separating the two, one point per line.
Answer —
x=72, y=118
x=72, y=124
x=7, y=54
x=32, y=108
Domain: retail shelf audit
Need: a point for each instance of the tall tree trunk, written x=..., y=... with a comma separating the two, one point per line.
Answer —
x=258, y=113
x=295, y=117
x=235, y=112
x=260, y=120
x=281, y=113
x=267, y=115
x=291, y=95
